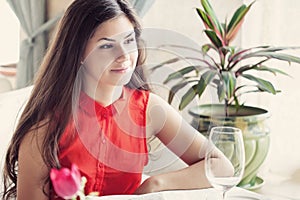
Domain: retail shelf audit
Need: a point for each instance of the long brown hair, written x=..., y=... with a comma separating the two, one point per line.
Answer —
x=50, y=101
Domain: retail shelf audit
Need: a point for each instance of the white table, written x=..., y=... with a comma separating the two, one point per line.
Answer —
x=203, y=194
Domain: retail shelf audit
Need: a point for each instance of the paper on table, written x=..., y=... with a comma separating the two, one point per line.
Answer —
x=203, y=194
x=150, y=196
x=163, y=195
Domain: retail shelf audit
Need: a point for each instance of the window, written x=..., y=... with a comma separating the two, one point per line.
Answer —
x=9, y=35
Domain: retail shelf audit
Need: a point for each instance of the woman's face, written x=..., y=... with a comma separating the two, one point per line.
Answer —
x=111, y=53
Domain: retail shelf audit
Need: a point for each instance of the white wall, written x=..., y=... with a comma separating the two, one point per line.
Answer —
x=279, y=26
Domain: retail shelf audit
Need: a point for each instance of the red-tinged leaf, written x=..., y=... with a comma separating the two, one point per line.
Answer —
x=274, y=49
x=205, y=19
x=243, y=69
x=219, y=31
x=213, y=18
x=236, y=21
x=278, y=56
x=232, y=34
x=214, y=38
x=235, y=56
x=242, y=54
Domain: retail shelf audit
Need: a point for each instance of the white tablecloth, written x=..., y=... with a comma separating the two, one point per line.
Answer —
x=203, y=194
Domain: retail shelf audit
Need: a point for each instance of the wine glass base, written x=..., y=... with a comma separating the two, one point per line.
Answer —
x=241, y=197
x=234, y=195
x=259, y=182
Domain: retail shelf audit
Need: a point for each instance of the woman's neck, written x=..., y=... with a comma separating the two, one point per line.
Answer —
x=105, y=95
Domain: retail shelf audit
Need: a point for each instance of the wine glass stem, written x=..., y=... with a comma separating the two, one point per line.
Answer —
x=223, y=195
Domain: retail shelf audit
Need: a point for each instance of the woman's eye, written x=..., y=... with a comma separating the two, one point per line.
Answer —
x=129, y=41
x=105, y=46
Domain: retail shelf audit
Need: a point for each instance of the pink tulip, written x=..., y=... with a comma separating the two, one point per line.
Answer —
x=66, y=182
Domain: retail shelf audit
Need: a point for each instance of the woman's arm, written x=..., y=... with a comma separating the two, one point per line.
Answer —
x=186, y=142
x=31, y=168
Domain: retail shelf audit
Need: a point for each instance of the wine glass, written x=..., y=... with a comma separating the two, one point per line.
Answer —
x=226, y=143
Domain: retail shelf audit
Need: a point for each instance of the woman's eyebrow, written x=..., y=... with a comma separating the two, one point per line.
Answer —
x=130, y=34
x=107, y=39
x=113, y=40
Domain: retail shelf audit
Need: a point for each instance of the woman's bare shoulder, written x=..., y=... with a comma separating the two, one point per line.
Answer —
x=32, y=143
x=32, y=169
x=35, y=135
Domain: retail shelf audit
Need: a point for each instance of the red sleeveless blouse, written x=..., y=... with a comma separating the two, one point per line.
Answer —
x=108, y=144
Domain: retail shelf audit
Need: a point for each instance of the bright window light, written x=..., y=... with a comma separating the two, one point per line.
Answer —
x=9, y=35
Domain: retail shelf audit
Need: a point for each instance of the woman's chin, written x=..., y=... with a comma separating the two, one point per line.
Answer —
x=122, y=80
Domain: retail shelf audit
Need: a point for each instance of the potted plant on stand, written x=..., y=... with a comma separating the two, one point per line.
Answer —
x=228, y=69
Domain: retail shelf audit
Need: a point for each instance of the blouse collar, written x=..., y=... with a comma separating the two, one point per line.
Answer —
x=91, y=106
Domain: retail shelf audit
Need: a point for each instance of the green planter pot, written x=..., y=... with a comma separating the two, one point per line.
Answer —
x=252, y=122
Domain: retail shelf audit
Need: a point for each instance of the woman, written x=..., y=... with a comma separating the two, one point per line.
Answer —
x=91, y=106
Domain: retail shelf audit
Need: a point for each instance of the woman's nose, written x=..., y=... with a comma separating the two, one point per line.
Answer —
x=123, y=54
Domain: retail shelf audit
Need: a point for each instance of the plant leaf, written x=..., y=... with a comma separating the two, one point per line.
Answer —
x=175, y=89
x=208, y=76
x=221, y=91
x=268, y=69
x=205, y=79
x=170, y=61
x=214, y=38
x=274, y=49
x=211, y=13
x=237, y=17
x=243, y=69
x=205, y=19
x=197, y=89
x=206, y=47
x=229, y=80
x=263, y=51
x=238, y=54
x=236, y=21
x=240, y=87
x=274, y=55
x=260, y=89
x=260, y=68
x=180, y=73
x=236, y=102
x=188, y=97
x=263, y=84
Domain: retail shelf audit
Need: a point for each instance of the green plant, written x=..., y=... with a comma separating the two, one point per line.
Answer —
x=222, y=64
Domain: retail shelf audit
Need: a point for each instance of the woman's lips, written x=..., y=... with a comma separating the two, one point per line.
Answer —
x=120, y=70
